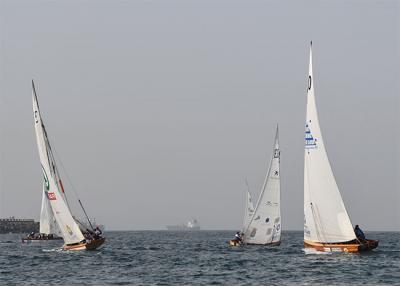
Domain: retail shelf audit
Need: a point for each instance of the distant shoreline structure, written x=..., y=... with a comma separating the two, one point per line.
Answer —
x=192, y=225
x=233, y=230
x=18, y=225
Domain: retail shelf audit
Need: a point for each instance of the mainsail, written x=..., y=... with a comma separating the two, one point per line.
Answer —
x=325, y=216
x=265, y=224
x=52, y=183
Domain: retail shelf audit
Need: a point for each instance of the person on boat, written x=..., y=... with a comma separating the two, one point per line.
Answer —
x=88, y=233
x=97, y=232
x=359, y=233
x=88, y=236
x=238, y=237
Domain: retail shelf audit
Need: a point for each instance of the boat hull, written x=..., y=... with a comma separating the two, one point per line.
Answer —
x=30, y=240
x=236, y=243
x=94, y=244
x=276, y=243
x=233, y=242
x=342, y=247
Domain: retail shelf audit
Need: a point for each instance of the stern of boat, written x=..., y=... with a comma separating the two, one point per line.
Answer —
x=95, y=243
x=92, y=245
x=233, y=242
x=368, y=244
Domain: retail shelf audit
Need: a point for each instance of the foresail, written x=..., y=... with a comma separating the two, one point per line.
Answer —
x=45, y=219
x=67, y=225
x=265, y=224
x=48, y=224
x=248, y=211
x=325, y=216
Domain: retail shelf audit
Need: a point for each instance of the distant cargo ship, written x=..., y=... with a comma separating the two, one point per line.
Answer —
x=192, y=225
x=15, y=225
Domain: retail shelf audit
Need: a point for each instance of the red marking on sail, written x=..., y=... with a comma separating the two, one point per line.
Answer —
x=62, y=187
x=51, y=196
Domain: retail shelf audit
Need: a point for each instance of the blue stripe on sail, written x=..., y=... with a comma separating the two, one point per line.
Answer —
x=311, y=142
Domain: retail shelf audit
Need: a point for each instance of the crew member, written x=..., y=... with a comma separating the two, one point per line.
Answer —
x=97, y=232
x=238, y=237
x=359, y=233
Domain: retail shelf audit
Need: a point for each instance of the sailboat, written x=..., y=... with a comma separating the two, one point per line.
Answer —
x=327, y=226
x=262, y=224
x=48, y=229
x=54, y=190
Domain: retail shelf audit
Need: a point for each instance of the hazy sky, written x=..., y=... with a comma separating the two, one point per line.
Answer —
x=160, y=109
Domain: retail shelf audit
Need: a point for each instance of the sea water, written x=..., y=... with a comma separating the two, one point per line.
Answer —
x=195, y=258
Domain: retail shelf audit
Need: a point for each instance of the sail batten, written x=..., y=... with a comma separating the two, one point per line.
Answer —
x=325, y=216
x=67, y=226
x=265, y=224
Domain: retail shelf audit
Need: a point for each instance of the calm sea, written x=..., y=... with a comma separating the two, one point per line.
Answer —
x=195, y=258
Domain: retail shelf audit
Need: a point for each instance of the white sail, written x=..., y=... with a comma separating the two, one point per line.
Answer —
x=46, y=214
x=265, y=224
x=248, y=211
x=325, y=216
x=53, y=186
x=48, y=224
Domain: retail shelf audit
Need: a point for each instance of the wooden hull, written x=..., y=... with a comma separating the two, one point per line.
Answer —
x=233, y=242
x=342, y=247
x=94, y=244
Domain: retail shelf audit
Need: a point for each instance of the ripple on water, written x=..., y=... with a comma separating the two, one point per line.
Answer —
x=197, y=258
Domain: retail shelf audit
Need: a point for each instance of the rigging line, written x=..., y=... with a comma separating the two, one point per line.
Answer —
x=324, y=233
x=66, y=174
x=246, y=206
x=247, y=184
x=317, y=223
x=262, y=190
x=73, y=187
x=247, y=211
x=86, y=215
x=52, y=163
x=315, y=219
x=82, y=224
